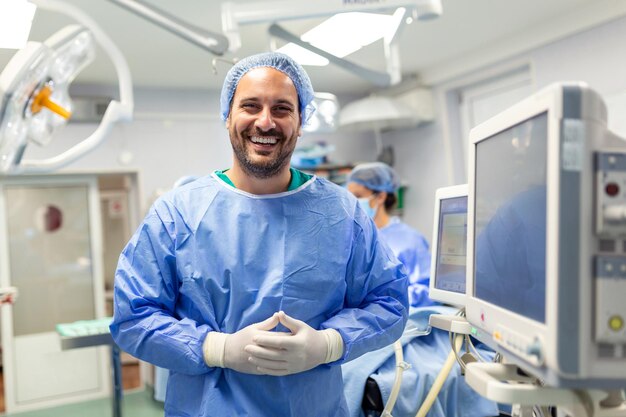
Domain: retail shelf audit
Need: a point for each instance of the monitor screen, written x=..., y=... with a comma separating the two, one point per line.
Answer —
x=451, y=247
x=510, y=218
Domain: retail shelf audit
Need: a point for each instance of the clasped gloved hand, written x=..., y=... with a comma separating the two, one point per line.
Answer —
x=304, y=348
x=227, y=350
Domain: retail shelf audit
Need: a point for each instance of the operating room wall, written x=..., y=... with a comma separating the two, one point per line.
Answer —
x=596, y=56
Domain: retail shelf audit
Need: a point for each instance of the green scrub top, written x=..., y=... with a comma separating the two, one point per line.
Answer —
x=297, y=178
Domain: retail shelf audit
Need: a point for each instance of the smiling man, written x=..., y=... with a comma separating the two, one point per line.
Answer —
x=252, y=285
x=264, y=123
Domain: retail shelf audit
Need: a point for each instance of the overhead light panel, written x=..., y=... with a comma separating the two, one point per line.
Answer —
x=303, y=56
x=331, y=42
x=330, y=35
x=235, y=14
x=16, y=18
x=363, y=29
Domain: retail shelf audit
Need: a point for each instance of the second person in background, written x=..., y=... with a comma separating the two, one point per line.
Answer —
x=375, y=185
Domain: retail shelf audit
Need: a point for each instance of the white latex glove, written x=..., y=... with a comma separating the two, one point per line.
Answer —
x=305, y=348
x=227, y=350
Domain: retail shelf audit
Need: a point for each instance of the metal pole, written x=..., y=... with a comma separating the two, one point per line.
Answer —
x=116, y=364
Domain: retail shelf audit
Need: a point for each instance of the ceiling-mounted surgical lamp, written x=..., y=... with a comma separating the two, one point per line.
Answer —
x=210, y=41
x=325, y=118
x=245, y=13
x=34, y=99
x=377, y=78
x=380, y=112
x=376, y=113
x=235, y=14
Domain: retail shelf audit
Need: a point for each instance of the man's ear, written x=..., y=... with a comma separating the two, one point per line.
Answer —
x=227, y=122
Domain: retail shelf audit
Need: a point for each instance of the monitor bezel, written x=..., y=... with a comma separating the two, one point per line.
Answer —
x=570, y=352
x=446, y=297
x=488, y=318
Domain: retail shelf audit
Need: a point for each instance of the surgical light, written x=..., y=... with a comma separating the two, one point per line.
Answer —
x=326, y=116
x=16, y=18
x=328, y=108
x=235, y=14
x=34, y=98
x=34, y=88
x=244, y=13
x=376, y=113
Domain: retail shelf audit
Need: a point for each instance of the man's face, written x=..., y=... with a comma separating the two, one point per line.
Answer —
x=264, y=122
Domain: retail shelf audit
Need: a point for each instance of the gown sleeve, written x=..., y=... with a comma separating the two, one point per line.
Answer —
x=376, y=302
x=146, y=290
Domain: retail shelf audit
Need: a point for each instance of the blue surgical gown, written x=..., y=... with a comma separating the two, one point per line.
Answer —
x=209, y=257
x=411, y=248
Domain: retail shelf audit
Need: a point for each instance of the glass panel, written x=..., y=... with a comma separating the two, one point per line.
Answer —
x=510, y=218
x=50, y=256
x=452, y=245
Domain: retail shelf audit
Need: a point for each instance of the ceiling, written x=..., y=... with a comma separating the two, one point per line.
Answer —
x=469, y=34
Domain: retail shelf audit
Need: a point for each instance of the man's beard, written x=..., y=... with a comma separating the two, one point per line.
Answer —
x=261, y=170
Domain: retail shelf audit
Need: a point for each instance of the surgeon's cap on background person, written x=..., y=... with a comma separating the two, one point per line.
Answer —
x=280, y=62
x=376, y=176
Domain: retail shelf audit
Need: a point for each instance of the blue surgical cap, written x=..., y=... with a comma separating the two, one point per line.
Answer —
x=280, y=62
x=376, y=176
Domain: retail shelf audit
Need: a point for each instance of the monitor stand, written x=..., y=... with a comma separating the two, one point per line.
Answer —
x=507, y=383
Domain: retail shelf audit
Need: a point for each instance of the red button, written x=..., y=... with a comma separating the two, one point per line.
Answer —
x=612, y=189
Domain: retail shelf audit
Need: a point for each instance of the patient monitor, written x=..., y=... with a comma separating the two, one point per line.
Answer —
x=449, y=246
x=546, y=270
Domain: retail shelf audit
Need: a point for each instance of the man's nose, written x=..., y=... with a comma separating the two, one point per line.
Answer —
x=265, y=121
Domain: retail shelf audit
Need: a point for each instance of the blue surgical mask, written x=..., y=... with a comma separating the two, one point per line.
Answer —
x=365, y=205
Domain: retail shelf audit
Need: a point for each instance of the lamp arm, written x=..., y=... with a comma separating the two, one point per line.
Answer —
x=212, y=42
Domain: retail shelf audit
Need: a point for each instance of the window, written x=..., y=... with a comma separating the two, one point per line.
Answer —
x=478, y=100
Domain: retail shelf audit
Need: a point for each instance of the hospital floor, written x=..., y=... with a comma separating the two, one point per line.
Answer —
x=134, y=403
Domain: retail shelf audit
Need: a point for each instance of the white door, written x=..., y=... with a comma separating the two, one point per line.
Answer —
x=50, y=249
